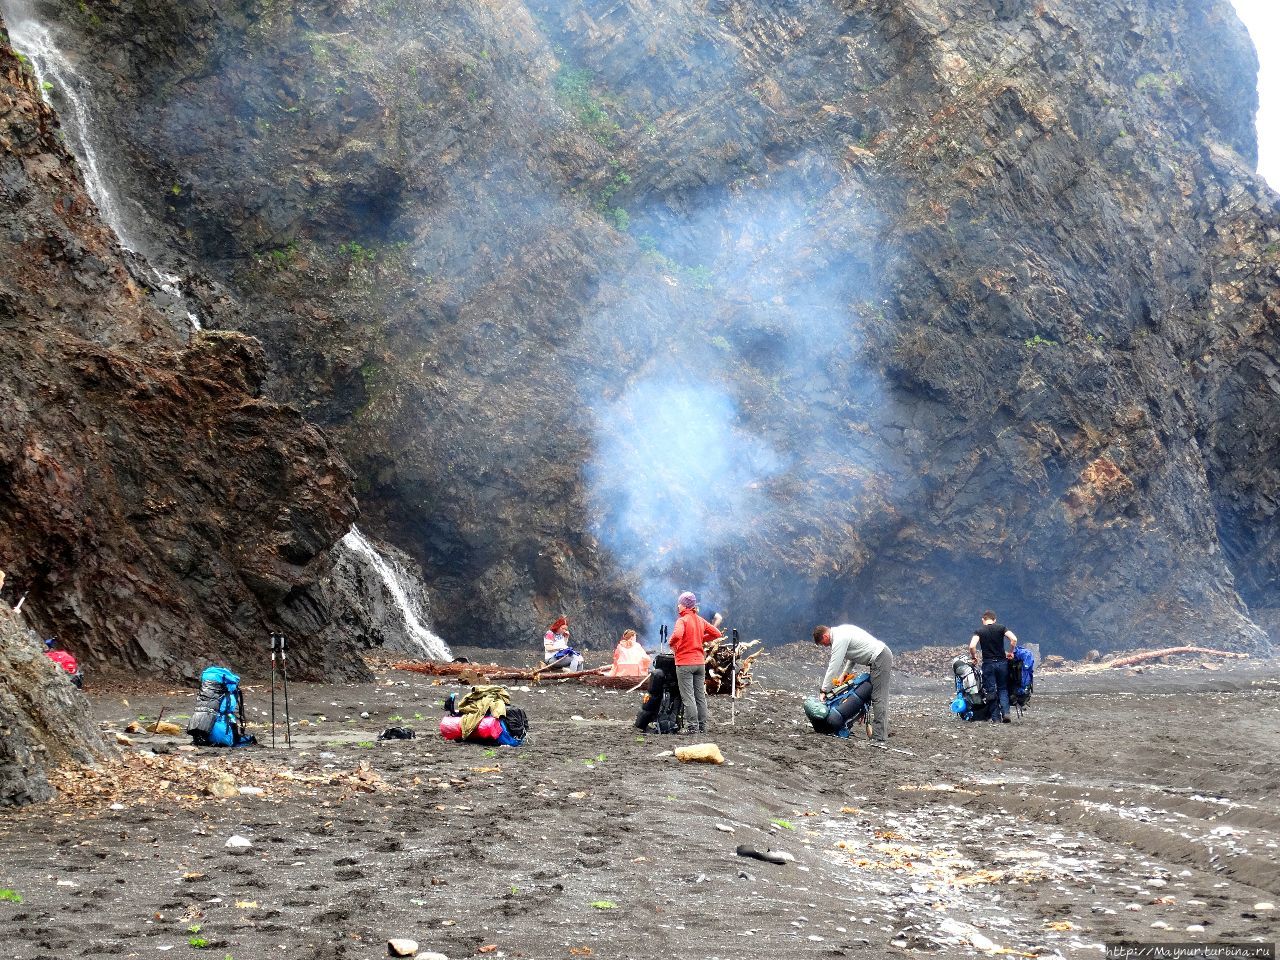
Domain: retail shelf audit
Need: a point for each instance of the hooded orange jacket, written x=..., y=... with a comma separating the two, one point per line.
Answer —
x=687, y=638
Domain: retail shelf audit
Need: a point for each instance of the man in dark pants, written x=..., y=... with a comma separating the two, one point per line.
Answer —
x=991, y=637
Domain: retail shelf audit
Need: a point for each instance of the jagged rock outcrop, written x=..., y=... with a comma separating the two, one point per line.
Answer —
x=159, y=510
x=45, y=722
x=986, y=291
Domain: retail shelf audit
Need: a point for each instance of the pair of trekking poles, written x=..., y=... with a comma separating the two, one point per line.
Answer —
x=278, y=647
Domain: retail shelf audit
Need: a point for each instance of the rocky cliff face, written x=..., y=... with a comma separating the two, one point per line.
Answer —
x=45, y=722
x=160, y=511
x=887, y=311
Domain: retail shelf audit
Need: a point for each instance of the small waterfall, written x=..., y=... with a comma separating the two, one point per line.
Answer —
x=34, y=41
x=56, y=75
x=407, y=595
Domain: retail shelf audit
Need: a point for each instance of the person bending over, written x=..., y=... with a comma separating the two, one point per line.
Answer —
x=851, y=647
x=991, y=637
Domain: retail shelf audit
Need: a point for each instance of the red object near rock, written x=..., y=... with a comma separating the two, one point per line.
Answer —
x=64, y=660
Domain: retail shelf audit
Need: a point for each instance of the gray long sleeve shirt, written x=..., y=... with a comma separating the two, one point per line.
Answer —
x=850, y=646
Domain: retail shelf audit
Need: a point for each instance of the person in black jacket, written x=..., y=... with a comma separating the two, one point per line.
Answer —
x=991, y=637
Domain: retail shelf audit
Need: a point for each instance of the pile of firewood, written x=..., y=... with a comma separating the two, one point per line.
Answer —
x=720, y=664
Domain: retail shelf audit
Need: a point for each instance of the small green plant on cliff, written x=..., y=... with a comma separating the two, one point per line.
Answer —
x=620, y=219
x=198, y=942
x=1159, y=82
x=573, y=90
x=358, y=253
x=10, y=896
x=1038, y=341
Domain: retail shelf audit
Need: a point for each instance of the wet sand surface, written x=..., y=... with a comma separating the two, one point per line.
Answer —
x=1119, y=807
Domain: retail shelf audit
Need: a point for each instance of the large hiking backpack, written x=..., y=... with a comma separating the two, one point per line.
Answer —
x=218, y=719
x=662, y=705
x=1022, y=670
x=843, y=710
x=970, y=702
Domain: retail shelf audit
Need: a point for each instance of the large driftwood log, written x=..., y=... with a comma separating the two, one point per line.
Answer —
x=1170, y=652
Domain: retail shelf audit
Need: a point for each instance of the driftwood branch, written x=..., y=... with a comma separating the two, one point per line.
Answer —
x=1170, y=652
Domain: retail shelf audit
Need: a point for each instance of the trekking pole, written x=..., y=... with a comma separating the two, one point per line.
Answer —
x=284, y=675
x=273, y=691
x=733, y=679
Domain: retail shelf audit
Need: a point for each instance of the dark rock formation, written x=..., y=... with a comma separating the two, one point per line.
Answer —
x=45, y=722
x=987, y=289
x=160, y=511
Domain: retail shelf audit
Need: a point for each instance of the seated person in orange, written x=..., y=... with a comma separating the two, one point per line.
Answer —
x=629, y=658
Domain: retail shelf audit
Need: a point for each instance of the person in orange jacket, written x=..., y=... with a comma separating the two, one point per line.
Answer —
x=687, y=638
x=629, y=658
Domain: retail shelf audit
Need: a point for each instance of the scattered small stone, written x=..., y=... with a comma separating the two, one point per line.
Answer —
x=1159, y=925
x=402, y=948
x=238, y=844
x=117, y=806
x=724, y=828
x=1264, y=905
x=251, y=791
x=1195, y=928
x=768, y=856
x=364, y=714
x=222, y=786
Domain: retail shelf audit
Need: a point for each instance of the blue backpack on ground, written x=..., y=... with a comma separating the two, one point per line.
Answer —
x=846, y=707
x=218, y=719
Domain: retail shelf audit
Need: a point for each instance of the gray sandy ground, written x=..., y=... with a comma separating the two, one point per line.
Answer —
x=1119, y=807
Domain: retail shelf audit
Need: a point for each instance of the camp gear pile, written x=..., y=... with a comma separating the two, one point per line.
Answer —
x=484, y=715
x=844, y=709
x=218, y=720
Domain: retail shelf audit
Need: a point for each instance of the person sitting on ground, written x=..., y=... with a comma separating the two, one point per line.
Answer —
x=995, y=663
x=629, y=658
x=850, y=647
x=687, y=639
x=557, y=654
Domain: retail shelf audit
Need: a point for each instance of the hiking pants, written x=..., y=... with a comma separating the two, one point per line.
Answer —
x=995, y=680
x=881, y=681
x=693, y=690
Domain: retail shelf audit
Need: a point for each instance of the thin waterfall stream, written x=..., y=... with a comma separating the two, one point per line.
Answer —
x=408, y=596
x=57, y=77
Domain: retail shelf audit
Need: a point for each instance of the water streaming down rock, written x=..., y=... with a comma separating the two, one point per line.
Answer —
x=406, y=594
x=57, y=76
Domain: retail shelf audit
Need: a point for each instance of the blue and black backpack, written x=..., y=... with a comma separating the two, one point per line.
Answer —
x=1022, y=669
x=218, y=719
x=843, y=710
